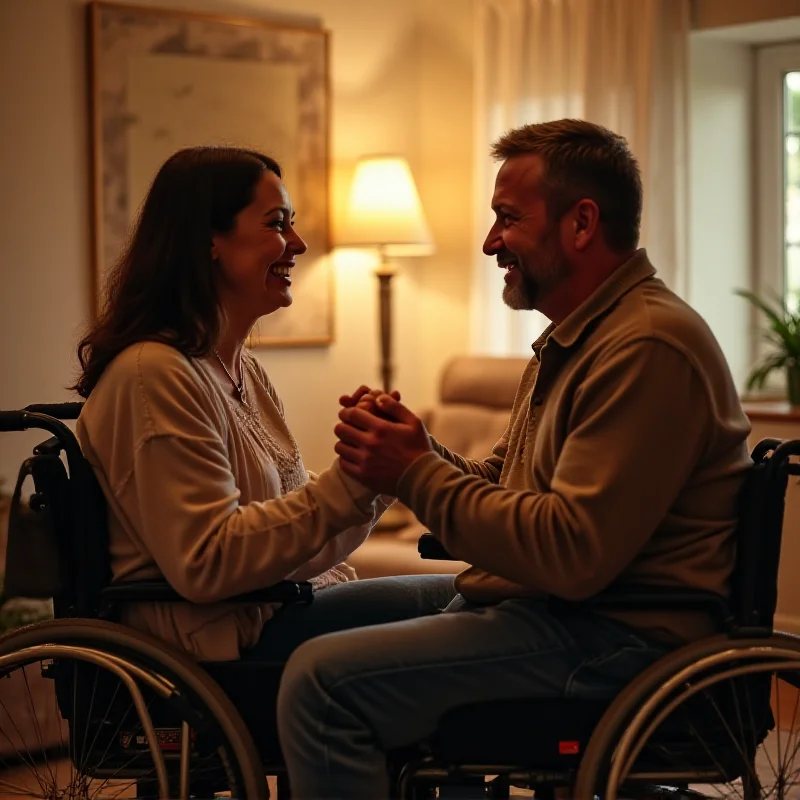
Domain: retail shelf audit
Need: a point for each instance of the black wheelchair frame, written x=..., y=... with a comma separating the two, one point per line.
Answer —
x=77, y=515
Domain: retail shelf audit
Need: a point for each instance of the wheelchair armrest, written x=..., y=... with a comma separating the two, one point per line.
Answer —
x=631, y=596
x=162, y=592
x=430, y=547
x=656, y=598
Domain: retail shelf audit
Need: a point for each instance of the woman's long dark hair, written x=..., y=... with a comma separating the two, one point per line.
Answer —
x=162, y=288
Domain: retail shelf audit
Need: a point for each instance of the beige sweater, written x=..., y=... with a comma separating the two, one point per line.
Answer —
x=621, y=463
x=194, y=487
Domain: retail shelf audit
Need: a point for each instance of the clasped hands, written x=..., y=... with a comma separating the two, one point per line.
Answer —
x=379, y=438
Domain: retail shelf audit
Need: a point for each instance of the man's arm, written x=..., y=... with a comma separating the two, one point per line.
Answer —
x=638, y=427
x=489, y=468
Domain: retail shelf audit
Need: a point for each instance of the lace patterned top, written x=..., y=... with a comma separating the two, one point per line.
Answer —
x=285, y=455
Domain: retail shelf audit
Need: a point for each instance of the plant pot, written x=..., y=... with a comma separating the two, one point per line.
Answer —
x=793, y=385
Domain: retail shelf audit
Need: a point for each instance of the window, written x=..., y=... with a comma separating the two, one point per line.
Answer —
x=778, y=172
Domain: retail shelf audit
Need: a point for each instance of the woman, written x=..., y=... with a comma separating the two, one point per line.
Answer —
x=187, y=436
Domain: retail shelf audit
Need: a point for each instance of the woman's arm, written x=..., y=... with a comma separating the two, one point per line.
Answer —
x=170, y=481
x=338, y=549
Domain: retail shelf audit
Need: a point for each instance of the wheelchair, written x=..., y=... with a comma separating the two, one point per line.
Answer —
x=707, y=720
x=139, y=718
x=112, y=712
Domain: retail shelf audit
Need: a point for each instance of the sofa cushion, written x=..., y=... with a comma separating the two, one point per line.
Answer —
x=485, y=381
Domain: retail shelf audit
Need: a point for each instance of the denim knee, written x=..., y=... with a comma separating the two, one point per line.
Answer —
x=300, y=682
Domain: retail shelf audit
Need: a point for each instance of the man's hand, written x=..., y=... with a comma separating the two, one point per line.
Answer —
x=377, y=450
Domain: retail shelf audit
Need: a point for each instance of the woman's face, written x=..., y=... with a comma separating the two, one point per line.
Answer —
x=256, y=258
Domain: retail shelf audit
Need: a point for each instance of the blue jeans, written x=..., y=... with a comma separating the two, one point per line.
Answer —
x=351, y=605
x=346, y=698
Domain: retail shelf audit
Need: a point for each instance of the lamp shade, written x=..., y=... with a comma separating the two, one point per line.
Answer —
x=384, y=209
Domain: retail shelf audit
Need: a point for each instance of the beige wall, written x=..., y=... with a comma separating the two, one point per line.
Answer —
x=402, y=82
x=720, y=13
x=720, y=136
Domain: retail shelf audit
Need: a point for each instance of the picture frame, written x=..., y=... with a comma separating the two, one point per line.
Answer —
x=161, y=80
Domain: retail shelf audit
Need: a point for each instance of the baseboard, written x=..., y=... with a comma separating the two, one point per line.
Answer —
x=788, y=623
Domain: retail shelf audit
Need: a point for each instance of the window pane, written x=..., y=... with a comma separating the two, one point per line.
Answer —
x=791, y=137
x=793, y=102
x=793, y=277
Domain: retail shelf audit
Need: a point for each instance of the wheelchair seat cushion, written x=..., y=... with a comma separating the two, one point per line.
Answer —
x=545, y=733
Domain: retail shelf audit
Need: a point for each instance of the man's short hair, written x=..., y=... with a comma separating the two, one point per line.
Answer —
x=584, y=160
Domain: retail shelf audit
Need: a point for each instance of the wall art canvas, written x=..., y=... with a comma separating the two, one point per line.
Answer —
x=163, y=80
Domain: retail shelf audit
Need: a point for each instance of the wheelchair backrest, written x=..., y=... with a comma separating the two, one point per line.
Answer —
x=58, y=545
x=754, y=594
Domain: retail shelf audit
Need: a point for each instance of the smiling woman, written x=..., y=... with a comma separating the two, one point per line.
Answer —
x=205, y=483
x=187, y=276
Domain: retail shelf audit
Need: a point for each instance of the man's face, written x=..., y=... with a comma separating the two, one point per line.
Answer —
x=524, y=238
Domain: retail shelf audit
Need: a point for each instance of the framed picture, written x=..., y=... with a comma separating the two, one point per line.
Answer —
x=163, y=80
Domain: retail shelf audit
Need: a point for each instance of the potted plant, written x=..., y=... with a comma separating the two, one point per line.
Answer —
x=782, y=332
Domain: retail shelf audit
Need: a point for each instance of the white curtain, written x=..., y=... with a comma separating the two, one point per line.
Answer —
x=620, y=63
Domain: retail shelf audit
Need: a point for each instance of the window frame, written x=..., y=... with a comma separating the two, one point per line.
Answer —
x=772, y=63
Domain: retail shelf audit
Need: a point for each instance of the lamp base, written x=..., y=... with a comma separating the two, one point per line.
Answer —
x=385, y=306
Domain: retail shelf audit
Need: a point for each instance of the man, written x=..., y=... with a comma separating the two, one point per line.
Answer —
x=621, y=464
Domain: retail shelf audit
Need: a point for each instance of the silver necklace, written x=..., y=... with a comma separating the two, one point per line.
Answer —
x=238, y=386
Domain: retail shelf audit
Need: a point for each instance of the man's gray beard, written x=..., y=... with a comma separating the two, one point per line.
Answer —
x=521, y=297
x=552, y=269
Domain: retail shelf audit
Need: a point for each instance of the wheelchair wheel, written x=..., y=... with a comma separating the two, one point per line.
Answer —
x=91, y=709
x=716, y=719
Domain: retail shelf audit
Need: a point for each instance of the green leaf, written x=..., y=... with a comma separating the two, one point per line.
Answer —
x=784, y=326
x=761, y=372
